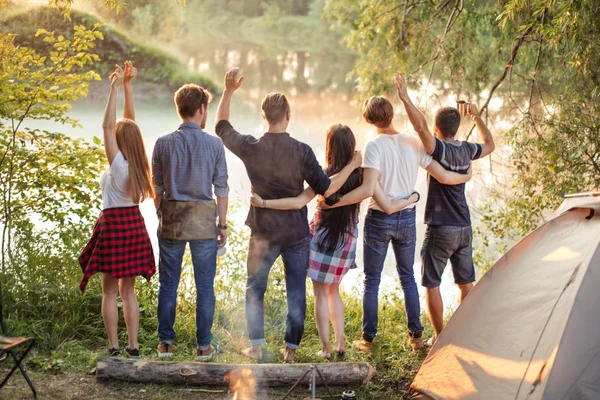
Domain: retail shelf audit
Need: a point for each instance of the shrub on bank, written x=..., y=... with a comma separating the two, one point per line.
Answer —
x=161, y=72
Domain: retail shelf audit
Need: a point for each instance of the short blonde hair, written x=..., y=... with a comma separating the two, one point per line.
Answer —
x=378, y=111
x=275, y=106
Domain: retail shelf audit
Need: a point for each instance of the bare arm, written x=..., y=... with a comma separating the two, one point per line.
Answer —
x=338, y=180
x=110, y=116
x=390, y=206
x=157, y=200
x=128, y=108
x=222, y=203
x=365, y=190
x=416, y=117
x=232, y=83
x=447, y=177
x=484, y=133
x=287, y=203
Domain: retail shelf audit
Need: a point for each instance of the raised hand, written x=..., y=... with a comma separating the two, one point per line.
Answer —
x=356, y=161
x=472, y=110
x=130, y=72
x=117, y=76
x=232, y=81
x=401, y=88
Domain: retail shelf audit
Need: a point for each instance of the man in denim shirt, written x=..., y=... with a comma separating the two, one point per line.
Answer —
x=277, y=165
x=186, y=165
x=449, y=235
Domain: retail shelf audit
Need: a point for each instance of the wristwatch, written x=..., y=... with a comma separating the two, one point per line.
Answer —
x=222, y=227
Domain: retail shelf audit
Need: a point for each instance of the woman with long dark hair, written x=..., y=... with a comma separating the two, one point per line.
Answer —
x=120, y=247
x=334, y=236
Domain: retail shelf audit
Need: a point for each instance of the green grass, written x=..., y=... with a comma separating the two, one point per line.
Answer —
x=70, y=333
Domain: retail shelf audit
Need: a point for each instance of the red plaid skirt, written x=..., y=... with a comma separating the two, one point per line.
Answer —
x=120, y=246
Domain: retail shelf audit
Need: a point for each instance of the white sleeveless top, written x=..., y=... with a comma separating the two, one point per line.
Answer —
x=113, y=184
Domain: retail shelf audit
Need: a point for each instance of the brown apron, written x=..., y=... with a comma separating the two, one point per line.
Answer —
x=187, y=220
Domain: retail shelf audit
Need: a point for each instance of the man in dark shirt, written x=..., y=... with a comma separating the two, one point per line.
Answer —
x=277, y=165
x=449, y=234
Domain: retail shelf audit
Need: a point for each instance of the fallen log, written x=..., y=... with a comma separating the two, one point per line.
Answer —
x=213, y=374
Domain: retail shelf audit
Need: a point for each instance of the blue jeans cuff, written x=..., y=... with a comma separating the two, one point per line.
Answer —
x=167, y=341
x=256, y=342
x=203, y=347
x=291, y=346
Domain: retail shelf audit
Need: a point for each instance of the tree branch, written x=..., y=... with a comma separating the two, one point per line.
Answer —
x=509, y=65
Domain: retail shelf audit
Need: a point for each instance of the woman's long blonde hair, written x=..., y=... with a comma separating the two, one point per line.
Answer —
x=131, y=144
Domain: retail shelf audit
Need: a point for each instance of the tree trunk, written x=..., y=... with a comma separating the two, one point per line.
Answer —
x=213, y=374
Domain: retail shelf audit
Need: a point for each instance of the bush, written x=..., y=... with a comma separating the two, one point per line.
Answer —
x=159, y=70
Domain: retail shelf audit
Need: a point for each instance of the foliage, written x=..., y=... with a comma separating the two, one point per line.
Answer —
x=44, y=177
x=509, y=49
x=159, y=71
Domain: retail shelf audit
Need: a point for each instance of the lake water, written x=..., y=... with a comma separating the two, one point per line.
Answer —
x=316, y=102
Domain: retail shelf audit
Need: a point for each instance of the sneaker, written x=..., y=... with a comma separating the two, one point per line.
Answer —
x=164, y=350
x=415, y=342
x=114, y=352
x=363, y=345
x=429, y=342
x=206, y=355
x=133, y=353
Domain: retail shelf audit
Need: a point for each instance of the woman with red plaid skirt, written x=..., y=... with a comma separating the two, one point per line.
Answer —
x=120, y=247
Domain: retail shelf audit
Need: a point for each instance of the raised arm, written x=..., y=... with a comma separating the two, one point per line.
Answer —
x=287, y=203
x=416, y=117
x=129, y=74
x=447, y=177
x=232, y=83
x=364, y=191
x=231, y=138
x=390, y=206
x=484, y=133
x=110, y=116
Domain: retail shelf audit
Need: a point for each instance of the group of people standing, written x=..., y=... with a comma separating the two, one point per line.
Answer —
x=189, y=170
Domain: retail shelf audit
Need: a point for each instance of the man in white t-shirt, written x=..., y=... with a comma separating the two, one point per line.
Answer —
x=392, y=159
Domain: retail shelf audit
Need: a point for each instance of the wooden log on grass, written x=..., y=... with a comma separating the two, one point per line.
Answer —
x=213, y=374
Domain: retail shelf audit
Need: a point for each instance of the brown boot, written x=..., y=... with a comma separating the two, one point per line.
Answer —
x=363, y=345
x=415, y=343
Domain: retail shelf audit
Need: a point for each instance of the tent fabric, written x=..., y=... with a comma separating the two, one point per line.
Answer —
x=591, y=201
x=576, y=374
x=526, y=322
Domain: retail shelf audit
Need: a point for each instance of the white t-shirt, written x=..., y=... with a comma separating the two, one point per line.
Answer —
x=113, y=184
x=397, y=158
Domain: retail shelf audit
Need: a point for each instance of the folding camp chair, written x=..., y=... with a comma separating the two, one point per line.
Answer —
x=7, y=346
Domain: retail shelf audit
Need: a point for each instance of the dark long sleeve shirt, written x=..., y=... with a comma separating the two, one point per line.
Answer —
x=277, y=165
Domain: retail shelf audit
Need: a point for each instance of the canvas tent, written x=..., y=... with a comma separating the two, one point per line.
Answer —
x=530, y=329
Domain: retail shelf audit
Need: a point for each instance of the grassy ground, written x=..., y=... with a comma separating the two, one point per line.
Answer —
x=70, y=333
x=65, y=372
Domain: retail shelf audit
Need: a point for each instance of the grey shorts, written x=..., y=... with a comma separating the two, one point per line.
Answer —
x=447, y=242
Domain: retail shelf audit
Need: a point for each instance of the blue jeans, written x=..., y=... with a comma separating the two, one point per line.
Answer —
x=380, y=229
x=204, y=259
x=262, y=254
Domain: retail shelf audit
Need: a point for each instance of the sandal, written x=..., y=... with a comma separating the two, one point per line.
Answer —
x=200, y=356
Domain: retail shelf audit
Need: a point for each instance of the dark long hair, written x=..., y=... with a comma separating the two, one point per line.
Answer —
x=339, y=221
